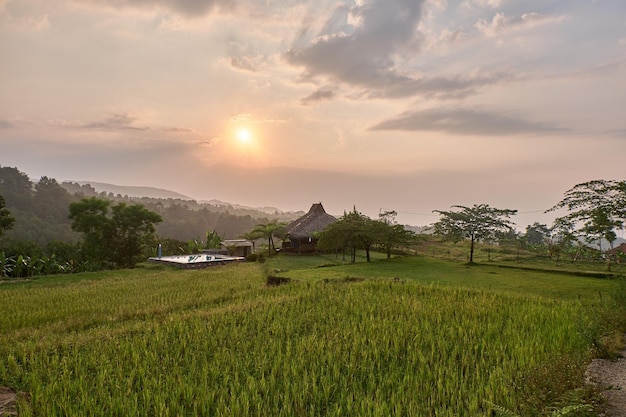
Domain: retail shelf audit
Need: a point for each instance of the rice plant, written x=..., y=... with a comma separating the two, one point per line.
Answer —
x=220, y=342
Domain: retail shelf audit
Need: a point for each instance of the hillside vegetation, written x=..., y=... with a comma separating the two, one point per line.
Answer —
x=408, y=336
x=41, y=213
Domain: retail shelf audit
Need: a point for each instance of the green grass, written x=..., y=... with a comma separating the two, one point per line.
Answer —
x=456, y=274
x=441, y=341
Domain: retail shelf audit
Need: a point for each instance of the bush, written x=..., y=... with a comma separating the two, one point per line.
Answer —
x=252, y=257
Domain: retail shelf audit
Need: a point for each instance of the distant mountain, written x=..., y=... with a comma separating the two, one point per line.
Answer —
x=268, y=210
x=134, y=191
x=159, y=193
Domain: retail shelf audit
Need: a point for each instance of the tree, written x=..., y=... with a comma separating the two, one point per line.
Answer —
x=269, y=231
x=50, y=201
x=133, y=230
x=537, y=235
x=115, y=236
x=252, y=237
x=562, y=237
x=16, y=188
x=391, y=233
x=601, y=226
x=6, y=220
x=599, y=206
x=477, y=223
x=352, y=231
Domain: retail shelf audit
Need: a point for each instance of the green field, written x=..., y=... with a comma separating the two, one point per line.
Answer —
x=407, y=336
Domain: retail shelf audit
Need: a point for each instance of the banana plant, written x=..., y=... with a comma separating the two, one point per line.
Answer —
x=7, y=265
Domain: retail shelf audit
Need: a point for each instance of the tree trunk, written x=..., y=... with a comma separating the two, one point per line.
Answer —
x=472, y=250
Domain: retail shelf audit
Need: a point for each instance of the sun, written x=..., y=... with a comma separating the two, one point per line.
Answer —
x=244, y=136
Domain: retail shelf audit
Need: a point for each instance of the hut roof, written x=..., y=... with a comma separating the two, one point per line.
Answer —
x=617, y=250
x=315, y=220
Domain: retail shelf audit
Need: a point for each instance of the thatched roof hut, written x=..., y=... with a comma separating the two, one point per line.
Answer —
x=300, y=234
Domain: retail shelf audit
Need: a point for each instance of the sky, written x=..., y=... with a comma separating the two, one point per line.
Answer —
x=406, y=105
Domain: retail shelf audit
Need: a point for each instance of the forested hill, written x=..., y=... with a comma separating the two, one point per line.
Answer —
x=41, y=209
x=124, y=190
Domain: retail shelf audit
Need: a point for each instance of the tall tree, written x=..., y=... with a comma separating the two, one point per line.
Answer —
x=133, y=231
x=16, y=188
x=477, y=223
x=6, y=220
x=537, y=235
x=50, y=201
x=115, y=236
x=598, y=207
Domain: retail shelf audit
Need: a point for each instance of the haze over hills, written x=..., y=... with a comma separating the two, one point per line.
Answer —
x=160, y=193
x=134, y=191
x=154, y=192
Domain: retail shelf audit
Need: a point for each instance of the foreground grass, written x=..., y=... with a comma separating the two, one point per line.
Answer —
x=442, y=341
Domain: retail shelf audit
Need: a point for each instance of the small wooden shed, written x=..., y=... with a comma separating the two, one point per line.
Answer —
x=237, y=247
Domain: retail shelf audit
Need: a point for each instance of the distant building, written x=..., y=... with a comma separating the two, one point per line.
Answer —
x=232, y=247
x=237, y=247
x=301, y=234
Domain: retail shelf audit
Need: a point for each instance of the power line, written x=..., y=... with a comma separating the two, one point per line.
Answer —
x=435, y=215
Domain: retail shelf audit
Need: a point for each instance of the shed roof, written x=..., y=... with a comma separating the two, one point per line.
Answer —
x=237, y=243
x=315, y=220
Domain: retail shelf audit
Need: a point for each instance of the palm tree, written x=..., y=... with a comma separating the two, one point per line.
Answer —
x=251, y=236
x=269, y=231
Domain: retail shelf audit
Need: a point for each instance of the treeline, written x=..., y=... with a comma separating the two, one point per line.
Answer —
x=41, y=238
x=41, y=211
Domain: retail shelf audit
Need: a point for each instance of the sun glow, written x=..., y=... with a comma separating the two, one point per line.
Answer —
x=244, y=136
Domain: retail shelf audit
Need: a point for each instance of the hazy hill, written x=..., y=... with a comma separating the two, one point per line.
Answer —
x=134, y=191
x=160, y=193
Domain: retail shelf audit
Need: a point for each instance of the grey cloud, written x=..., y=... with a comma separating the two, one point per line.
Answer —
x=465, y=122
x=317, y=96
x=618, y=133
x=5, y=124
x=242, y=64
x=440, y=87
x=189, y=8
x=362, y=54
x=177, y=130
x=502, y=24
x=115, y=122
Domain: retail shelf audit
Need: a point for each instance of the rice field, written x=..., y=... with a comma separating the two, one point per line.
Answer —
x=218, y=342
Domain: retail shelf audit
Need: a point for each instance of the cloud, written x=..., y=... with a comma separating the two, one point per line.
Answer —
x=188, y=8
x=360, y=51
x=483, y=3
x=464, y=122
x=618, y=133
x=5, y=124
x=317, y=96
x=451, y=87
x=25, y=23
x=242, y=64
x=118, y=121
x=502, y=24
